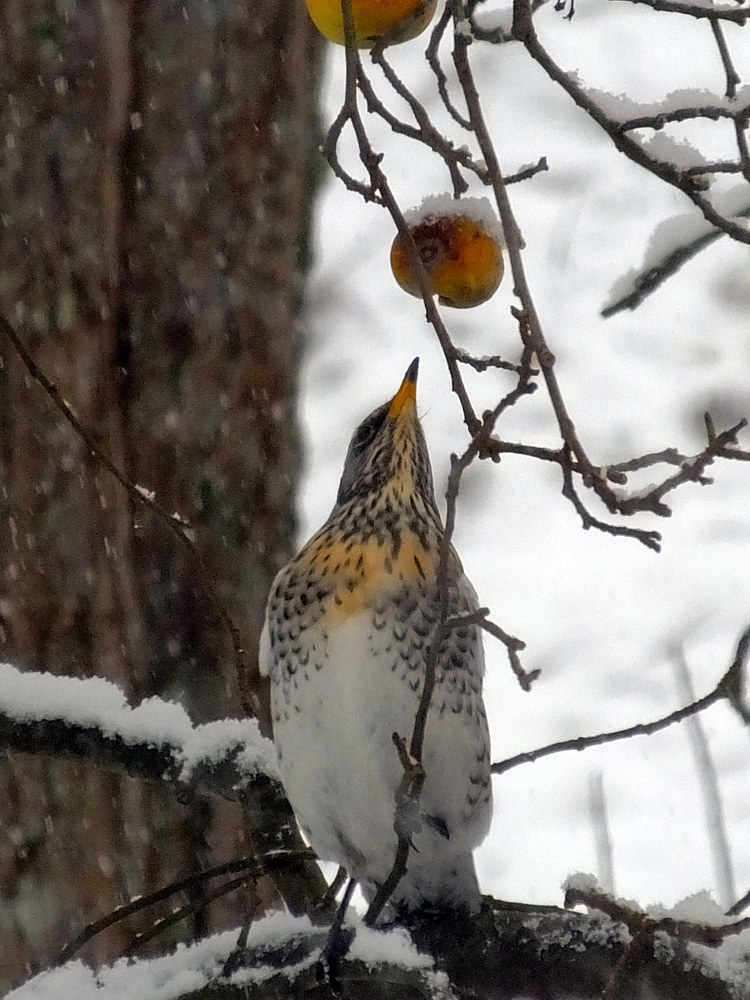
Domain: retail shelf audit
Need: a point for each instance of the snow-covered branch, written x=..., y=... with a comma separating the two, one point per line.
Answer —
x=89, y=719
x=672, y=244
x=508, y=950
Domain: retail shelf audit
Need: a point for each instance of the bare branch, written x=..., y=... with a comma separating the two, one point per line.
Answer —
x=433, y=58
x=482, y=364
x=636, y=920
x=180, y=913
x=427, y=133
x=651, y=539
x=738, y=14
x=523, y=30
x=251, y=867
x=658, y=121
x=525, y=677
x=584, y=742
x=723, y=445
x=655, y=276
x=668, y=456
x=740, y=905
x=733, y=77
x=541, y=166
x=729, y=688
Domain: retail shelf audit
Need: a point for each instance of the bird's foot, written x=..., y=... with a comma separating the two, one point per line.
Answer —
x=337, y=945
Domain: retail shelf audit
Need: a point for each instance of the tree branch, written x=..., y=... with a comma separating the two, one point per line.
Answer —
x=508, y=950
x=88, y=720
x=699, y=10
x=523, y=30
x=730, y=688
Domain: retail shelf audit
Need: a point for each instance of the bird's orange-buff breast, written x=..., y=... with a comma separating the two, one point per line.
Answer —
x=361, y=572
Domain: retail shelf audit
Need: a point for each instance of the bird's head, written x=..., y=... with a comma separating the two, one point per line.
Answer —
x=388, y=457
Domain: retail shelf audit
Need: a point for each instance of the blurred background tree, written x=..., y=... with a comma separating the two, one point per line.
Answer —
x=155, y=183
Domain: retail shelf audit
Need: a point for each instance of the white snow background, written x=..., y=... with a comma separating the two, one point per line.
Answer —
x=599, y=614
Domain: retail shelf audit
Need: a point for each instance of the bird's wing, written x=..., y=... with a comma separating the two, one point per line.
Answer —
x=264, y=651
x=265, y=657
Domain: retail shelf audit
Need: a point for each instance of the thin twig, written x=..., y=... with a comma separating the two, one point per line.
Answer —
x=739, y=14
x=729, y=688
x=712, y=112
x=428, y=134
x=253, y=867
x=716, y=167
x=234, y=959
x=526, y=173
x=733, y=77
x=667, y=265
x=719, y=445
x=482, y=364
x=513, y=645
x=182, y=913
x=740, y=905
x=176, y=523
x=433, y=59
x=523, y=30
x=667, y=456
x=584, y=742
x=651, y=539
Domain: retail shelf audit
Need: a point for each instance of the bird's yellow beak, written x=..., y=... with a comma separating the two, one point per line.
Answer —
x=407, y=394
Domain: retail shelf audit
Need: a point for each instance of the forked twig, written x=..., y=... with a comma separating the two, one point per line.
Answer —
x=251, y=867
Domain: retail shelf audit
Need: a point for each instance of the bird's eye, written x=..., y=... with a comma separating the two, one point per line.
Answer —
x=364, y=434
x=367, y=431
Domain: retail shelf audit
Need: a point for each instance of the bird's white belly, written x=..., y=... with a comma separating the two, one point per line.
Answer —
x=339, y=765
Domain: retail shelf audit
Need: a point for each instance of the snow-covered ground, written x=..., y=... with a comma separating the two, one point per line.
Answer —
x=599, y=614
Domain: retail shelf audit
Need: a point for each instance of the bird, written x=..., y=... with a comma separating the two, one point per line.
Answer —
x=348, y=626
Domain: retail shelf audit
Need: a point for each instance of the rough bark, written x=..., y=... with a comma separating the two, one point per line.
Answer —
x=155, y=185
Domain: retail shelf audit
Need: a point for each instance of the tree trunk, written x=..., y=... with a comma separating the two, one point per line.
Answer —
x=155, y=187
